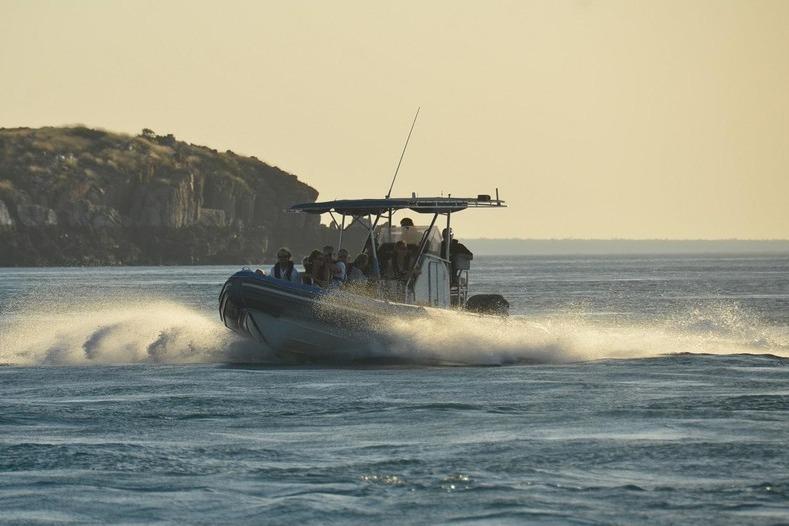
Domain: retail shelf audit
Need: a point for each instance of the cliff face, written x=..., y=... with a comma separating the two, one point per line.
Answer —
x=75, y=196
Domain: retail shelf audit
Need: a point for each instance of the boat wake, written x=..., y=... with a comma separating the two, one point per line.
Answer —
x=448, y=337
x=143, y=331
x=158, y=331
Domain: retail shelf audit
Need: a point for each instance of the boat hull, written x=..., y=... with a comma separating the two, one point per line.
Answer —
x=305, y=323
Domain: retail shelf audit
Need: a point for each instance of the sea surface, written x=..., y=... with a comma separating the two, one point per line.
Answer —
x=621, y=390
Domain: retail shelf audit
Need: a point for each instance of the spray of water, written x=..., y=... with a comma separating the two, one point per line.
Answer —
x=561, y=338
x=118, y=332
x=148, y=330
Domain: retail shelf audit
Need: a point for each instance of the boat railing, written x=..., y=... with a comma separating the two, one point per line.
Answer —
x=458, y=292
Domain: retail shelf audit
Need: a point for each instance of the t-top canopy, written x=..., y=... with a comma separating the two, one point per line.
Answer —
x=423, y=205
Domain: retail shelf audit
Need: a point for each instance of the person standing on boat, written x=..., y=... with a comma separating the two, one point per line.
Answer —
x=336, y=267
x=409, y=232
x=284, y=268
x=455, y=249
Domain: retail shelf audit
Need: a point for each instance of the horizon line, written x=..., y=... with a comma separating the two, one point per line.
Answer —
x=651, y=240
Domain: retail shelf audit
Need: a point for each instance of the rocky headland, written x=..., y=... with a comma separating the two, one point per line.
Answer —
x=80, y=196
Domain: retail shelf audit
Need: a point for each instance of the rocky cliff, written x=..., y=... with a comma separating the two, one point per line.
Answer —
x=79, y=196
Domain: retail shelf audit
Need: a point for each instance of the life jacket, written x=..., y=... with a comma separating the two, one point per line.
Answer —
x=288, y=272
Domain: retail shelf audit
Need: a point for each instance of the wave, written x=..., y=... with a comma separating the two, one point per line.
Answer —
x=151, y=330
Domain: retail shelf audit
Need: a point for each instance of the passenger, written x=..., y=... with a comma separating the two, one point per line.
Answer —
x=400, y=265
x=359, y=277
x=306, y=277
x=359, y=269
x=335, y=266
x=284, y=268
x=315, y=253
x=410, y=234
x=344, y=257
x=402, y=268
x=319, y=271
x=455, y=248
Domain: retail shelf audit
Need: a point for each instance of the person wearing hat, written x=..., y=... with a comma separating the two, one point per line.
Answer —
x=284, y=269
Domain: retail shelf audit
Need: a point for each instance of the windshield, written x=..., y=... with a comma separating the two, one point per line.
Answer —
x=412, y=235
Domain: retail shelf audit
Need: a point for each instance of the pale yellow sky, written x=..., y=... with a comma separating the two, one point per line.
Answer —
x=595, y=119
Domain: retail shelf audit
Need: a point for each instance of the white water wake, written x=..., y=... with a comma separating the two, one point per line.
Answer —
x=144, y=331
x=156, y=331
x=564, y=338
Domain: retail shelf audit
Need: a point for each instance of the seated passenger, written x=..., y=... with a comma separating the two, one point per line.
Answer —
x=319, y=271
x=344, y=257
x=402, y=268
x=306, y=277
x=284, y=268
x=359, y=269
x=335, y=266
x=385, y=253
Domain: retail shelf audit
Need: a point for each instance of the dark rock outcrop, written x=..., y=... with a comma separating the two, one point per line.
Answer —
x=78, y=196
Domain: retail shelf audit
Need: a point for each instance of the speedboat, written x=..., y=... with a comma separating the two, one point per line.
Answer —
x=305, y=322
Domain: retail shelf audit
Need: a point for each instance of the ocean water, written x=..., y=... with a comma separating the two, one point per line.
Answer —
x=621, y=390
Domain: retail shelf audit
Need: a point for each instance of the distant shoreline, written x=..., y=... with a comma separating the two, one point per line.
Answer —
x=622, y=246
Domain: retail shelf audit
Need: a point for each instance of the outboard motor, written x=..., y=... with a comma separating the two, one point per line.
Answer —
x=488, y=304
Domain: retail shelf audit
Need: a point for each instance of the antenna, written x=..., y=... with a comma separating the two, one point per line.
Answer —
x=389, y=193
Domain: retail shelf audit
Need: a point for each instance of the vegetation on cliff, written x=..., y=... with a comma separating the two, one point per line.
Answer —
x=80, y=196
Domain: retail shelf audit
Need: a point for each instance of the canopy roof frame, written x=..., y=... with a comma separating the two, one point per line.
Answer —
x=369, y=208
x=421, y=205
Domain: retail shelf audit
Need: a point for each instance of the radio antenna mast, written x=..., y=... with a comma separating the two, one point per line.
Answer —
x=389, y=193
